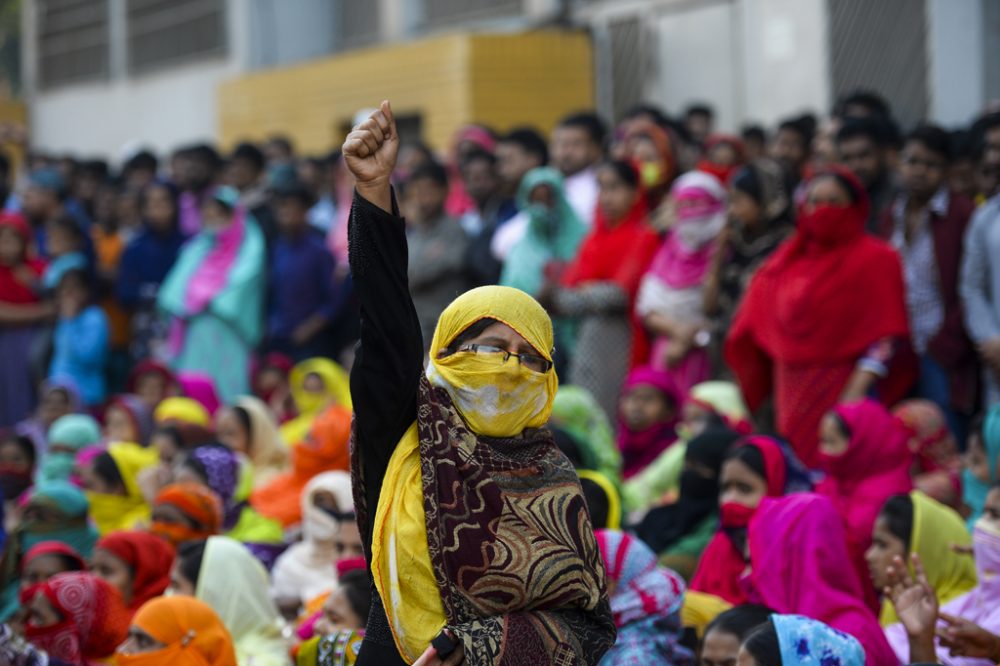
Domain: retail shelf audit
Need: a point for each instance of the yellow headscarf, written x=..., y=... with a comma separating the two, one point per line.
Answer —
x=112, y=513
x=935, y=529
x=311, y=405
x=185, y=410
x=401, y=563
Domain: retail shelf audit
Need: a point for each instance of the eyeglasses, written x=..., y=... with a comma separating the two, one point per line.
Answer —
x=529, y=361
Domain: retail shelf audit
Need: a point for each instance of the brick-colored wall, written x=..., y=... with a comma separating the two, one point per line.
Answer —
x=500, y=80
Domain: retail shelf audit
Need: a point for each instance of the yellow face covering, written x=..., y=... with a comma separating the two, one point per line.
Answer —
x=496, y=399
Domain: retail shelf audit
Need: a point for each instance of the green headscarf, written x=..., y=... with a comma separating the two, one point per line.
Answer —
x=72, y=432
x=552, y=234
x=576, y=412
x=974, y=491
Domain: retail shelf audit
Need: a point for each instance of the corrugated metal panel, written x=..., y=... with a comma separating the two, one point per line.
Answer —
x=164, y=32
x=358, y=23
x=451, y=11
x=627, y=63
x=72, y=41
x=881, y=46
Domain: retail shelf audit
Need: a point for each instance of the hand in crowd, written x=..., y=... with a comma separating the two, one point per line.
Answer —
x=966, y=639
x=914, y=598
x=370, y=154
x=430, y=657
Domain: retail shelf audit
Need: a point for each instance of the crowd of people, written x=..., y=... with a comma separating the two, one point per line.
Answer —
x=650, y=394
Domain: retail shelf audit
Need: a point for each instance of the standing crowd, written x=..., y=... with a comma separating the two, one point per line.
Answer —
x=778, y=362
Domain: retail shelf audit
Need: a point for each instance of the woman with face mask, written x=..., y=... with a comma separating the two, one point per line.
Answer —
x=672, y=296
x=214, y=296
x=486, y=517
x=824, y=320
x=756, y=468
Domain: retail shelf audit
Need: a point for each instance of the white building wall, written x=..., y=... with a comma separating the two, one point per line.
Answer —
x=956, y=78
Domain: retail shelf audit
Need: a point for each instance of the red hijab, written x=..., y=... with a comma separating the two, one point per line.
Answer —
x=722, y=566
x=618, y=251
x=150, y=559
x=826, y=295
x=13, y=287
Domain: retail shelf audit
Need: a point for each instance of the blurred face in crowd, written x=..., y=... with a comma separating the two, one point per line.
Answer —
x=615, y=197
x=923, y=171
x=513, y=162
x=962, y=177
x=694, y=419
x=126, y=210
x=739, y=484
x=723, y=154
x=230, y=431
x=42, y=568
x=72, y=295
x=139, y=642
x=991, y=510
x=215, y=216
x=39, y=204
x=347, y=543
x=291, y=213
x=833, y=441
x=338, y=615
x=573, y=150
x=480, y=180
x=54, y=405
x=826, y=191
x=885, y=546
x=543, y=195
x=13, y=457
x=179, y=583
x=643, y=406
x=92, y=481
x=116, y=571
x=242, y=173
x=743, y=209
x=118, y=426
x=988, y=174
x=699, y=126
x=11, y=247
x=789, y=150
x=719, y=648
x=425, y=199
x=863, y=157
x=159, y=209
x=976, y=460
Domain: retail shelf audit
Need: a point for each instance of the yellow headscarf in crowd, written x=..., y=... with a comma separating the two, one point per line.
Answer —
x=112, y=513
x=184, y=410
x=936, y=528
x=337, y=389
x=495, y=400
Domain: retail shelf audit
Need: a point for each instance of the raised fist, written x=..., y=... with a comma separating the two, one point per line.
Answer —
x=371, y=147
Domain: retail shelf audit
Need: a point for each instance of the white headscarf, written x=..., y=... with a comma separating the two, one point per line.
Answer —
x=306, y=569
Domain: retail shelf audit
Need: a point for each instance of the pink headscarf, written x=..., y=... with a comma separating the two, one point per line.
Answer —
x=640, y=448
x=686, y=254
x=200, y=387
x=799, y=563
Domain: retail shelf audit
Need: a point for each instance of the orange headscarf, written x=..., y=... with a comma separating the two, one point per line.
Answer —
x=192, y=632
x=323, y=450
x=196, y=502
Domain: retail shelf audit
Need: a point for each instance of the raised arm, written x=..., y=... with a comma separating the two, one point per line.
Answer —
x=389, y=360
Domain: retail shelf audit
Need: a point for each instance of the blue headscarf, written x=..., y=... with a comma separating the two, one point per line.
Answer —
x=803, y=640
x=72, y=433
x=974, y=491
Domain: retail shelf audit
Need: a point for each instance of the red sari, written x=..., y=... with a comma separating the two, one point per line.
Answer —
x=810, y=313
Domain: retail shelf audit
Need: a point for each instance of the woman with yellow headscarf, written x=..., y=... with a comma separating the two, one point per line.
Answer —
x=483, y=551
x=316, y=383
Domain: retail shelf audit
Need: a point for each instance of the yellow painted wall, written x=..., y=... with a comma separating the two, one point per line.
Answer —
x=501, y=80
x=15, y=113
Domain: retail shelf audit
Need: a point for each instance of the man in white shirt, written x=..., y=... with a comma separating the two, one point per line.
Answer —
x=576, y=147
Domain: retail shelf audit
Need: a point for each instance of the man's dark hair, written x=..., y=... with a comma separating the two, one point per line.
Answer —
x=358, y=591
x=699, y=109
x=589, y=122
x=283, y=143
x=143, y=160
x=804, y=126
x=431, y=171
x=963, y=145
x=530, y=141
x=874, y=103
x=479, y=155
x=872, y=127
x=740, y=621
x=203, y=152
x=753, y=133
x=644, y=109
x=249, y=153
x=99, y=169
x=933, y=138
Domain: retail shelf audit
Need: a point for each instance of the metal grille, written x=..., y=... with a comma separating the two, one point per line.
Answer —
x=451, y=11
x=72, y=41
x=163, y=32
x=358, y=22
x=881, y=46
x=627, y=64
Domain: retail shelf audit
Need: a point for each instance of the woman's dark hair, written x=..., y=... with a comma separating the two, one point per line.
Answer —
x=196, y=466
x=763, y=645
x=358, y=591
x=24, y=443
x=751, y=457
x=740, y=621
x=898, y=515
x=80, y=277
x=598, y=503
x=68, y=563
x=185, y=436
x=243, y=416
x=189, y=558
x=106, y=469
x=474, y=330
x=624, y=171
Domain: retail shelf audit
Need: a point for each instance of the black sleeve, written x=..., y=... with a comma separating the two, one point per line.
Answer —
x=389, y=361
